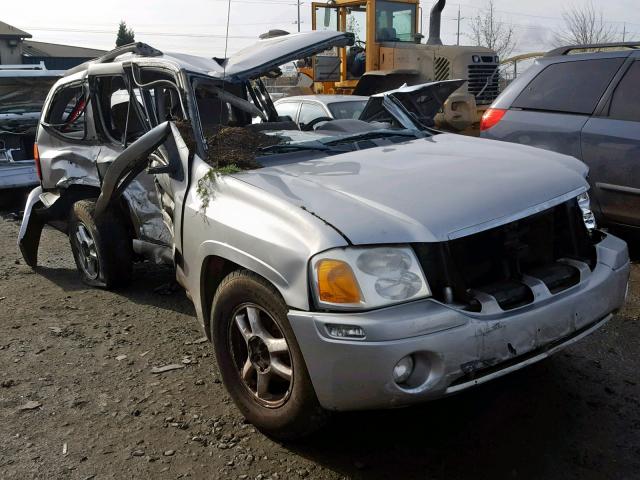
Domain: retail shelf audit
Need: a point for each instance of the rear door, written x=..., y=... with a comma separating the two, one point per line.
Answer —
x=66, y=139
x=149, y=164
x=611, y=148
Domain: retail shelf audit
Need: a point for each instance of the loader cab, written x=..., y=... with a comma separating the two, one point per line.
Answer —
x=374, y=23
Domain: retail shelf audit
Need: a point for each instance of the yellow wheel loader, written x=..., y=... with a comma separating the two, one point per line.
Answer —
x=388, y=52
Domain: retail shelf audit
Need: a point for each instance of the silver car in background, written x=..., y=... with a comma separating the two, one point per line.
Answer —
x=309, y=110
x=357, y=266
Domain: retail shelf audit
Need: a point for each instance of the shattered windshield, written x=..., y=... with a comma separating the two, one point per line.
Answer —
x=24, y=95
x=240, y=127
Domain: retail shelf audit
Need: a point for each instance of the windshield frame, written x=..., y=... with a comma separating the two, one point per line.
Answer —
x=329, y=144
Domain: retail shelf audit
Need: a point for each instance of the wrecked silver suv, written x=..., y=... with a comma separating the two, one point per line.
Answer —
x=360, y=265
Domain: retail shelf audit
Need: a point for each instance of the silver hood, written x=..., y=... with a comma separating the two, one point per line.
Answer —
x=425, y=190
x=270, y=53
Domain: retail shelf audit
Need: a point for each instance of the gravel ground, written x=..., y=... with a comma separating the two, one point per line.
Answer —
x=79, y=399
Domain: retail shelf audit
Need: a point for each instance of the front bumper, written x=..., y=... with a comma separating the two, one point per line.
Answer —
x=453, y=349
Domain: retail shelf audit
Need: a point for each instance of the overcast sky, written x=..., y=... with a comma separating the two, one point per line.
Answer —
x=198, y=26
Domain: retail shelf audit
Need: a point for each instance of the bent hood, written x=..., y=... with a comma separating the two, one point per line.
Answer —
x=425, y=190
x=267, y=54
x=421, y=102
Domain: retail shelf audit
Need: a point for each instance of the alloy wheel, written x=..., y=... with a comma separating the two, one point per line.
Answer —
x=261, y=355
x=87, y=253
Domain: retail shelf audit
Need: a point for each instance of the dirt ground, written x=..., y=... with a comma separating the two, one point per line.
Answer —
x=79, y=400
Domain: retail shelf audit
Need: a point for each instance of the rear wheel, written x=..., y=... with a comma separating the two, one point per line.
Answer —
x=260, y=360
x=101, y=247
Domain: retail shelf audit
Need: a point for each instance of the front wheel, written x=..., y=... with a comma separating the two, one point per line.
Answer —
x=259, y=359
x=101, y=246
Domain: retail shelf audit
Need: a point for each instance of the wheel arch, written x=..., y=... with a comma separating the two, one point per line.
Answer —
x=61, y=209
x=213, y=270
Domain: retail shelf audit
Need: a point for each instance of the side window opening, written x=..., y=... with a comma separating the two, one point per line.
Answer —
x=625, y=103
x=67, y=112
x=309, y=112
x=395, y=22
x=158, y=90
x=288, y=109
x=118, y=112
x=569, y=87
x=216, y=112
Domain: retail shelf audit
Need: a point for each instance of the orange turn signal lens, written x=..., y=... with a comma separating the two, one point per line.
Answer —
x=36, y=158
x=336, y=282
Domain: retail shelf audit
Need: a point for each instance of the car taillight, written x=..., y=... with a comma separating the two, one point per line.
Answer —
x=36, y=157
x=491, y=117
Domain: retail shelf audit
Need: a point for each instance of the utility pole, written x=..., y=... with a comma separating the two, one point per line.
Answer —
x=298, y=16
x=458, y=41
x=624, y=32
x=459, y=20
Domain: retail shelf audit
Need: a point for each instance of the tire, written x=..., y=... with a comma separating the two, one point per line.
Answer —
x=286, y=410
x=102, y=248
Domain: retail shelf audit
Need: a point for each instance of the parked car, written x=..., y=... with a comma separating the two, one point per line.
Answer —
x=423, y=102
x=23, y=89
x=309, y=110
x=586, y=104
x=347, y=269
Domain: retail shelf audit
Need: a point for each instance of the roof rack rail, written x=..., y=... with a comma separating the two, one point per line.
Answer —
x=591, y=46
x=138, y=48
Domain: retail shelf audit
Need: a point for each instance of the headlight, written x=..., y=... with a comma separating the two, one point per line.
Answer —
x=588, y=217
x=367, y=277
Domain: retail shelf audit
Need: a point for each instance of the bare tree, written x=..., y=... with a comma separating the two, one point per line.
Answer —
x=489, y=31
x=584, y=25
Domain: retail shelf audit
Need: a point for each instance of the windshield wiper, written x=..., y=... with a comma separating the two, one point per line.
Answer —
x=377, y=134
x=297, y=147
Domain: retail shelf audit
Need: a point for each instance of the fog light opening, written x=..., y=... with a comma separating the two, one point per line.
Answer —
x=345, y=331
x=403, y=369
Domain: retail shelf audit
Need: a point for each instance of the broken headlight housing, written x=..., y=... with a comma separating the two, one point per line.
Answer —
x=588, y=217
x=367, y=277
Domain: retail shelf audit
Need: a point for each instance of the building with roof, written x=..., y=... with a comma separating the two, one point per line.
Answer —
x=11, y=40
x=16, y=47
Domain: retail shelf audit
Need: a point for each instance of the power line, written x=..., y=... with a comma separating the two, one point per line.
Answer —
x=523, y=14
x=264, y=2
x=161, y=34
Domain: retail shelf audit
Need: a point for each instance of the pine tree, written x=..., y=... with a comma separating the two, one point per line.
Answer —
x=125, y=35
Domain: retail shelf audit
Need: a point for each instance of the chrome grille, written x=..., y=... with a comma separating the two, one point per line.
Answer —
x=484, y=82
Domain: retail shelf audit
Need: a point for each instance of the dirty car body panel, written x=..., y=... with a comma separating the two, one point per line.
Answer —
x=493, y=234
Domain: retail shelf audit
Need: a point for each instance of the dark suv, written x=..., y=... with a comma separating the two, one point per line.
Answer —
x=583, y=103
